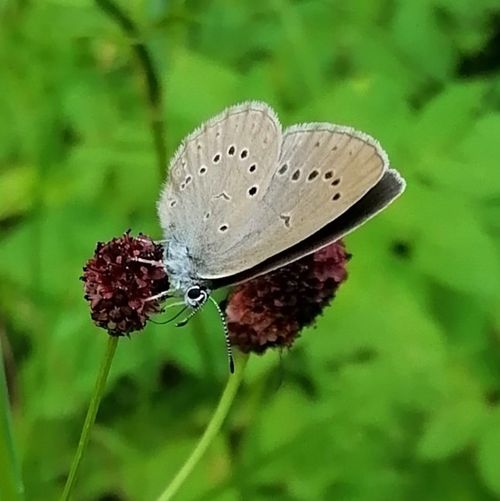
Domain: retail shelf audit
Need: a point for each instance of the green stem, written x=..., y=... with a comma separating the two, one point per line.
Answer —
x=152, y=81
x=211, y=430
x=11, y=485
x=91, y=415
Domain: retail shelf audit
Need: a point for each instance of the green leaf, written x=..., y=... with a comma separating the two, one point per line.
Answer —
x=488, y=453
x=451, y=246
x=452, y=429
x=446, y=118
x=196, y=88
x=469, y=167
x=16, y=190
x=418, y=35
x=361, y=103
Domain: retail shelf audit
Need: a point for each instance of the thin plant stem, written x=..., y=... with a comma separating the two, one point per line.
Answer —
x=11, y=485
x=151, y=79
x=91, y=415
x=211, y=430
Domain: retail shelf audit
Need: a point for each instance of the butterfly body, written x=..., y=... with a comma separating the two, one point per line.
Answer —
x=180, y=265
x=244, y=197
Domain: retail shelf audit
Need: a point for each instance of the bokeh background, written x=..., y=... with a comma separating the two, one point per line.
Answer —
x=395, y=393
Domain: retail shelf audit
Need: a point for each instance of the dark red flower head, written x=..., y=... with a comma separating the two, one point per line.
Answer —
x=117, y=287
x=270, y=310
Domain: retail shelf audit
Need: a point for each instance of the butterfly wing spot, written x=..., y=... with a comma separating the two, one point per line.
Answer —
x=244, y=153
x=312, y=175
x=172, y=203
x=286, y=219
x=188, y=179
x=216, y=158
x=328, y=175
x=231, y=150
x=223, y=228
x=283, y=169
x=317, y=144
x=336, y=197
x=253, y=190
x=336, y=182
x=252, y=168
x=183, y=186
x=222, y=195
x=296, y=175
x=335, y=148
x=206, y=216
x=198, y=146
x=177, y=172
x=203, y=170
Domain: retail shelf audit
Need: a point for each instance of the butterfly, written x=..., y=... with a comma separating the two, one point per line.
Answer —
x=244, y=197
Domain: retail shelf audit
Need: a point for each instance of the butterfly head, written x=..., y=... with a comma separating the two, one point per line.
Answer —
x=196, y=296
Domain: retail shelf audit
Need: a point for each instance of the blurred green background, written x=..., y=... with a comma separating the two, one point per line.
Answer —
x=395, y=394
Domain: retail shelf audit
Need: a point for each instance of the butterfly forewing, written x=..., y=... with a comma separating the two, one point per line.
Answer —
x=322, y=171
x=217, y=178
x=328, y=169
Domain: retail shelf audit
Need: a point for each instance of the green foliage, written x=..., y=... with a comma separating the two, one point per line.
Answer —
x=395, y=394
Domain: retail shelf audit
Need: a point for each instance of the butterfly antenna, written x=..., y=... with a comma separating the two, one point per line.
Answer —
x=226, y=335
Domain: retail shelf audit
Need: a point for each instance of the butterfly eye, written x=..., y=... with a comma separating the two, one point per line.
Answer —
x=193, y=293
x=195, y=296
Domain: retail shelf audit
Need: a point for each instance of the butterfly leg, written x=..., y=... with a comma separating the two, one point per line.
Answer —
x=157, y=242
x=161, y=295
x=151, y=262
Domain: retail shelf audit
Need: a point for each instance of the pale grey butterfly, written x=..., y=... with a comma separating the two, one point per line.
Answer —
x=244, y=197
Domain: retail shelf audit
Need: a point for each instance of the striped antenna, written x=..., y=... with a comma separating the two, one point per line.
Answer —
x=226, y=335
